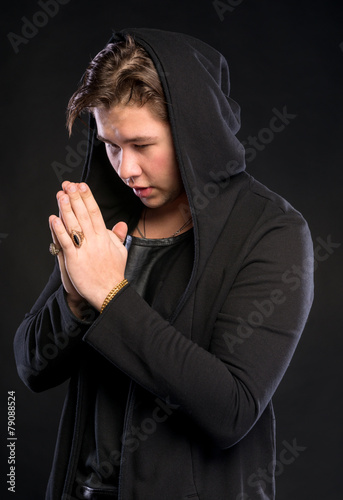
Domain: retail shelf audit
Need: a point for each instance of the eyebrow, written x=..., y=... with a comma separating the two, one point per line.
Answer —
x=143, y=138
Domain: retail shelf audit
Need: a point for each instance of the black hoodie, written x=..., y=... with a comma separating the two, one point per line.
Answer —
x=189, y=395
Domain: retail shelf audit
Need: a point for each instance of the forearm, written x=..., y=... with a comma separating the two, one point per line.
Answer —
x=225, y=384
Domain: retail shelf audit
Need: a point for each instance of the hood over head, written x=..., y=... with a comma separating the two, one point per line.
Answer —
x=204, y=122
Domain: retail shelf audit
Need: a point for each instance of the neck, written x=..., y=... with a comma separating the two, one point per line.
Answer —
x=165, y=221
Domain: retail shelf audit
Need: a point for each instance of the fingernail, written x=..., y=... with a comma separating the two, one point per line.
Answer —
x=83, y=187
x=65, y=199
x=72, y=188
x=58, y=222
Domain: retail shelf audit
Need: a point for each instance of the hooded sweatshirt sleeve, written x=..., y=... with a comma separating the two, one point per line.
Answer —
x=47, y=342
x=223, y=387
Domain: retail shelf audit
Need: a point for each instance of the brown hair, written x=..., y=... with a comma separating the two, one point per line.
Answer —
x=121, y=73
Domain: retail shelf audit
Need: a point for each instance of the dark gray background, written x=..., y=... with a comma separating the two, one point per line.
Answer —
x=281, y=53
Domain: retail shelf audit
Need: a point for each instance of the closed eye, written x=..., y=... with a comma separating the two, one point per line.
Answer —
x=112, y=146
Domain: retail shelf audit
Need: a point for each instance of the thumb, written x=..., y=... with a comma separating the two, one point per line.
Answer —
x=120, y=230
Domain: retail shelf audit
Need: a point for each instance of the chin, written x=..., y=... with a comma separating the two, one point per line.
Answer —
x=151, y=203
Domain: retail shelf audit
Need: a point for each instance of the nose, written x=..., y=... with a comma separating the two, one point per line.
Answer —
x=128, y=166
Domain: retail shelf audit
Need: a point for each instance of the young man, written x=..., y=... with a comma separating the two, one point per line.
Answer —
x=176, y=326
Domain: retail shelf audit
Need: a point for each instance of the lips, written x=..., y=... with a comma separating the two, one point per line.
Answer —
x=142, y=192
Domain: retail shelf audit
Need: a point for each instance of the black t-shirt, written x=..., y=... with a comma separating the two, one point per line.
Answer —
x=151, y=260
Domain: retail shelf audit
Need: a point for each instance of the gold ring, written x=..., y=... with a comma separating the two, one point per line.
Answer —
x=53, y=249
x=77, y=237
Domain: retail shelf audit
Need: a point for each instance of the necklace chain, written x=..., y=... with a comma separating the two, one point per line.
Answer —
x=143, y=235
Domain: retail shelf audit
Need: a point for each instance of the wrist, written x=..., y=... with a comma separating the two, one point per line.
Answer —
x=112, y=293
x=96, y=296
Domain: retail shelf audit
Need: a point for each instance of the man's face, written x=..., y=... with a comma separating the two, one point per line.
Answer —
x=141, y=151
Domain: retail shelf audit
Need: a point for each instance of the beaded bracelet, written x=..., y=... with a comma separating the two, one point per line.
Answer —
x=112, y=293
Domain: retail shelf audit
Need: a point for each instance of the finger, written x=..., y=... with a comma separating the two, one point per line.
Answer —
x=59, y=195
x=66, y=189
x=74, y=214
x=66, y=213
x=59, y=255
x=59, y=231
x=92, y=208
x=120, y=230
x=85, y=208
x=53, y=235
x=64, y=185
